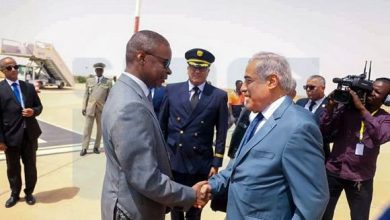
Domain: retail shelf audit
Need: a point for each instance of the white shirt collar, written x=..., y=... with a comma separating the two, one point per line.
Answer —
x=316, y=106
x=139, y=82
x=191, y=86
x=267, y=112
x=10, y=82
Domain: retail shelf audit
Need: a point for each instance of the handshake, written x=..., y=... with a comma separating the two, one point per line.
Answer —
x=203, y=194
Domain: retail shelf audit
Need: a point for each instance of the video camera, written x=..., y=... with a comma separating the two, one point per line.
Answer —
x=357, y=83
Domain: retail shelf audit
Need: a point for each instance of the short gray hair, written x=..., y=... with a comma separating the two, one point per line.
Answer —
x=270, y=63
x=320, y=78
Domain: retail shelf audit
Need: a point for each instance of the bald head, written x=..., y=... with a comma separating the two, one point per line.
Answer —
x=4, y=60
x=144, y=40
x=148, y=55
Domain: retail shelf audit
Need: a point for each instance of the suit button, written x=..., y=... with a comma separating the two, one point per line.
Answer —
x=181, y=132
x=178, y=118
x=180, y=145
x=202, y=122
x=196, y=134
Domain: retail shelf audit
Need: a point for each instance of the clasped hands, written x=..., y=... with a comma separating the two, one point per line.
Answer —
x=203, y=194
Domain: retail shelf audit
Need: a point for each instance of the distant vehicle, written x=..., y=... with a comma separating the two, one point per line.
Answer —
x=45, y=66
x=37, y=75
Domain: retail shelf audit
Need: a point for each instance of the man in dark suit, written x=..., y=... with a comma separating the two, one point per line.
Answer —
x=316, y=102
x=19, y=130
x=190, y=112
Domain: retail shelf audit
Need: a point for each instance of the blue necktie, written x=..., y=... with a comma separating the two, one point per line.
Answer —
x=252, y=128
x=15, y=89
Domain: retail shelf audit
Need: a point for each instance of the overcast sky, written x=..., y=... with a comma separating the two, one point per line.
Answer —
x=332, y=38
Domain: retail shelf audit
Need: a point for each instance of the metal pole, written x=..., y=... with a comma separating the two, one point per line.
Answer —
x=137, y=15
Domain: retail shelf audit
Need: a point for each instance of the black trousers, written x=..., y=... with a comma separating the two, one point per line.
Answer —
x=359, y=196
x=188, y=180
x=26, y=152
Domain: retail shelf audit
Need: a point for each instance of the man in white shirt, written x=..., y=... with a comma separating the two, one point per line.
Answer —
x=315, y=103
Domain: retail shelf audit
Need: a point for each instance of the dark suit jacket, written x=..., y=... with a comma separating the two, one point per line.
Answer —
x=158, y=98
x=317, y=115
x=189, y=133
x=319, y=110
x=11, y=127
x=239, y=131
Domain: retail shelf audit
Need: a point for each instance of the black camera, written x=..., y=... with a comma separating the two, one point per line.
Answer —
x=357, y=83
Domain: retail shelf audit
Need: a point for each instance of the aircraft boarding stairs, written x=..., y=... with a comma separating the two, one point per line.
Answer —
x=43, y=54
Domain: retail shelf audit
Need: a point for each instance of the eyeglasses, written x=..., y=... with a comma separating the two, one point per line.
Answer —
x=9, y=68
x=309, y=87
x=165, y=62
x=199, y=68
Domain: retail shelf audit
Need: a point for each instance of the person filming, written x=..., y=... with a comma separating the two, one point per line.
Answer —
x=362, y=128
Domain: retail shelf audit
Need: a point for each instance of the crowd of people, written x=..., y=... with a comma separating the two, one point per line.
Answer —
x=165, y=144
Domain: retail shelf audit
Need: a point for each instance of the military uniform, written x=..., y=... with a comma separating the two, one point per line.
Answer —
x=189, y=128
x=96, y=93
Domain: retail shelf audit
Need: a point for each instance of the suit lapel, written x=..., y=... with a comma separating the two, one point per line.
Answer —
x=185, y=98
x=10, y=92
x=271, y=123
x=320, y=108
x=23, y=87
x=132, y=84
x=203, y=102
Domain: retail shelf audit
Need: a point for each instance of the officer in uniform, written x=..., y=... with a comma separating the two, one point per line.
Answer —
x=190, y=113
x=96, y=93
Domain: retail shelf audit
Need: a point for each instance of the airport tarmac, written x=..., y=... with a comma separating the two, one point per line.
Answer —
x=69, y=186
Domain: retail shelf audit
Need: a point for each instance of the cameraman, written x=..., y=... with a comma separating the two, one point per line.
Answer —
x=352, y=163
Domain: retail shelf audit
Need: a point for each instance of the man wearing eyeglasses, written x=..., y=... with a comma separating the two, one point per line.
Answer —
x=137, y=183
x=316, y=102
x=19, y=130
x=190, y=112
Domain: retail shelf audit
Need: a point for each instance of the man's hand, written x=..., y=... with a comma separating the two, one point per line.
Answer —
x=205, y=191
x=213, y=171
x=83, y=112
x=201, y=199
x=356, y=101
x=28, y=112
x=3, y=147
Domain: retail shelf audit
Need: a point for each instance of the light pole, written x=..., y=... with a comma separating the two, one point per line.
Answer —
x=137, y=15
